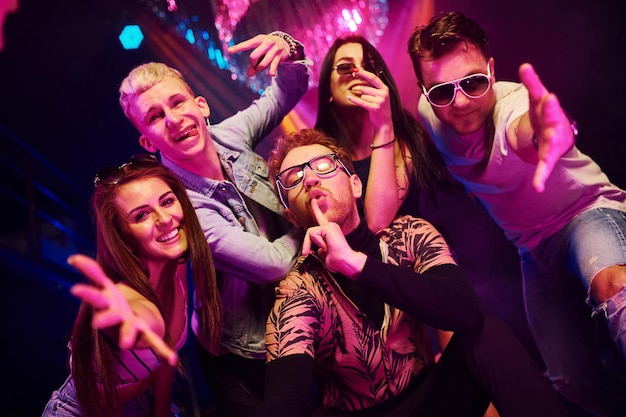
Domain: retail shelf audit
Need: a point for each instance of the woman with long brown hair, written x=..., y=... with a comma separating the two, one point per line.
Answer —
x=134, y=314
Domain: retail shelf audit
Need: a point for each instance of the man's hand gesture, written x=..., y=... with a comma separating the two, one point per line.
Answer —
x=550, y=123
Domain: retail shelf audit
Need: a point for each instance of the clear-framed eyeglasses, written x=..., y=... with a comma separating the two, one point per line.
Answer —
x=323, y=166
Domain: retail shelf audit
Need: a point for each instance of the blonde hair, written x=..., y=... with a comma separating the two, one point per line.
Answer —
x=142, y=78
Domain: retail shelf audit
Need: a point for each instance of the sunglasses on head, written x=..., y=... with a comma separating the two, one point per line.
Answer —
x=113, y=174
x=473, y=86
x=352, y=69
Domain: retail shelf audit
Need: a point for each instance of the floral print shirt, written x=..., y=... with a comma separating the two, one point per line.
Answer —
x=358, y=365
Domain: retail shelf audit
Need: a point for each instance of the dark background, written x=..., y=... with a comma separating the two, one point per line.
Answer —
x=63, y=63
x=59, y=75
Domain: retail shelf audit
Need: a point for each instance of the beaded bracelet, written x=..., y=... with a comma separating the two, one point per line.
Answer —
x=383, y=145
x=296, y=49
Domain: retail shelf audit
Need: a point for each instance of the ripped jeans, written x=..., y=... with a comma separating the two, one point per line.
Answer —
x=557, y=275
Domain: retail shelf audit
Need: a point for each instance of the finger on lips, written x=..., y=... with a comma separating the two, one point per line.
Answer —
x=317, y=212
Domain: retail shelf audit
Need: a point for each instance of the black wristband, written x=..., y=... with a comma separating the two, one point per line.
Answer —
x=372, y=146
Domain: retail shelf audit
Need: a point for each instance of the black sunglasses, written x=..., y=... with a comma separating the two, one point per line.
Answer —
x=352, y=69
x=113, y=174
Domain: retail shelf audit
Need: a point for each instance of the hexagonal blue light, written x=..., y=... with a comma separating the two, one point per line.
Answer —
x=131, y=37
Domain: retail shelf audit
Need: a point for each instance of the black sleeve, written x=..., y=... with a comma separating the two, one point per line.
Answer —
x=289, y=386
x=441, y=297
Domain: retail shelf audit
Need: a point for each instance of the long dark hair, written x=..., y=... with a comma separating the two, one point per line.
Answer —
x=428, y=166
x=97, y=396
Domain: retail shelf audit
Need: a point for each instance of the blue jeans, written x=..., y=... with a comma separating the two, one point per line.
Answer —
x=63, y=403
x=557, y=275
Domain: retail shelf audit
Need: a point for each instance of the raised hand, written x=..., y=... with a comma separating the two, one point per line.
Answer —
x=314, y=234
x=269, y=51
x=114, y=308
x=551, y=125
x=337, y=254
x=374, y=98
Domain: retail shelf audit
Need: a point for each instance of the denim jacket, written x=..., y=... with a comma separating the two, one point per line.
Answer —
x=248, y=264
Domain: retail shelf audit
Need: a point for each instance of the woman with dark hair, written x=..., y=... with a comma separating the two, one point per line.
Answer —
x=359, y=105
x=135, y=312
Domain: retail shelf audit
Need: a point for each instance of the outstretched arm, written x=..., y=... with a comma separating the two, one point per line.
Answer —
x=546, y=123
x=118, y=304
x=269, y=51
x=288, y=66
